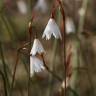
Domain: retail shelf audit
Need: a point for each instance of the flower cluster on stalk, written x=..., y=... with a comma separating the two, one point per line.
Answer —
x=37, y=52
x=36, y=62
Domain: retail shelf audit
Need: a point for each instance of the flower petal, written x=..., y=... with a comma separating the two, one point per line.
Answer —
x=37, y=47
x=52, y=29
x=36, y=65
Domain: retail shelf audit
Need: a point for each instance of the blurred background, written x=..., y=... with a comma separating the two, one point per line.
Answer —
x=14, y=18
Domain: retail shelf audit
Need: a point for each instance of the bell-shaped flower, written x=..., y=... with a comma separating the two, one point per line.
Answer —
x=70, y=26
x=22, y=6
x=36, y=65
x=52, y=29
x=37, y=48
x=41, y=5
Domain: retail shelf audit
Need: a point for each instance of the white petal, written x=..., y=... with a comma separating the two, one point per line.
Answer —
x=47, y=34
x=22, y=6
x=36, y=65
x=37, y=47
x=41, y=5
x=70, y=26
x=52, y=29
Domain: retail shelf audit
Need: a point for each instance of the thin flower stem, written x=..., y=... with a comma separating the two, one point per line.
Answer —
x=30, y=39
x=64, y=39
x=4, y=66
x=14, y=73
x=6, y=78
x=26, y=44
x=53, y=74
x=29, y=63
x=4, y=83
x=8, y=26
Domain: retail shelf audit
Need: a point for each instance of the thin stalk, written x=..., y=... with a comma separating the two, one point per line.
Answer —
x=29, y=71
x=14, y=73
x=25, y=66
x=4, y=83
x=64, y=39
x=26, y=44
x=8, y=26
x=30, y=40
x=4, y=66
x=50, y=71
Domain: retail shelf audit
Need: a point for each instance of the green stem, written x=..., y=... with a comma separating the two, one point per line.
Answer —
x=8, y=26
x=4, y=83
x=51, y=71
x=4, y=66
x=63, y=40
x=14, y=73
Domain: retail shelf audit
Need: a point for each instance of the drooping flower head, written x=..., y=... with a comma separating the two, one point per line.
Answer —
x=52, y=29
x=36, y=63
x=37, y=47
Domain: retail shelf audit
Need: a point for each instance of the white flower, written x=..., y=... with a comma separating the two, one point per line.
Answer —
x=41, y=5
x=70, y=27
x=22, y=6
x=36, y=65
x=52, y=29
x=37, y=48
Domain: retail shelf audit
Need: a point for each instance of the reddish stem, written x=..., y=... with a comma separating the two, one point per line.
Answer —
x=64, y=39
x=30, y=39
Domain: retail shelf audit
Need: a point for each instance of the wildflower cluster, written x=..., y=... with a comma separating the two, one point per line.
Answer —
x=36, y=64
x=36, y=60
x=37, y=51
